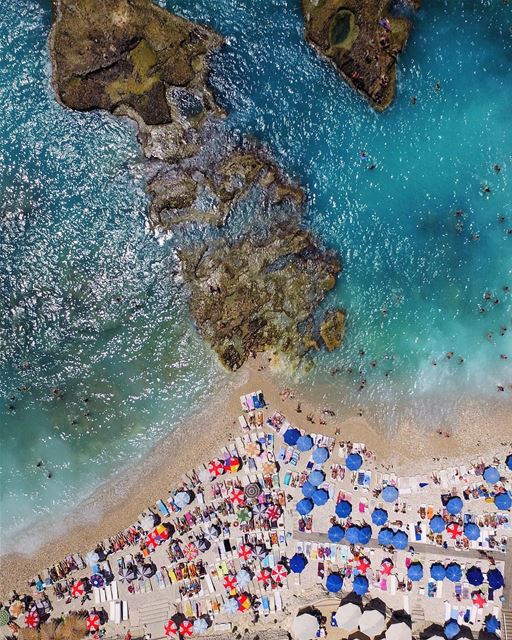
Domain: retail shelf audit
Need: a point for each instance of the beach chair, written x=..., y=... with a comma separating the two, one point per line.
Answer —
x=406, y=604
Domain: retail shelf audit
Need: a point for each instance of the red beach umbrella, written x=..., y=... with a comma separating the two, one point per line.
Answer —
x=216, y=468
x=264, y=576
x=244, y=603
x=363, y=565
x=245, y=552
x=279, y=573
x=229, y=582
x=479, y=600
x=454, y=530
x=170, y=628
x=236, y=496
x=152, y=540
x=186, y=628
x=273, y=512
x=77, y=589
x=32, y=619
x=191, y=551
x=386, y=567
x=93, y=622
x=232, y=465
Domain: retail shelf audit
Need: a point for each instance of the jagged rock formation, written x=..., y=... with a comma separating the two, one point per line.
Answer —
x=362, y=39
x=252, y=291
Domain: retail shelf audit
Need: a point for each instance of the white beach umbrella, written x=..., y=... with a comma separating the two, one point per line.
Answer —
x=243, y=578
x=147, y=522
x=182, y=499
x=213, y=532
x=372, y=623
x=200, y=626
x=399, y=631
x=305, y=627
x=204, y=475
x=348, y=615
x=91, y=558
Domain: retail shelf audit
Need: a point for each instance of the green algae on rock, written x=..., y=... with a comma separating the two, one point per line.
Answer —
x=362, y=39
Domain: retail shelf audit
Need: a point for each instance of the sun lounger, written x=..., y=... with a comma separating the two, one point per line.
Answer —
x=406, y=604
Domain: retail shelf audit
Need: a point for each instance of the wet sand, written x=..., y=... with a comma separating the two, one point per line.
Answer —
x=119, y=502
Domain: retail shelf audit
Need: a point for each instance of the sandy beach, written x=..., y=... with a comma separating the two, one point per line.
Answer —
x=118, y=503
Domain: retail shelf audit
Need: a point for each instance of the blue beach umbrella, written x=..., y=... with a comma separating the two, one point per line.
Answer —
x=353, y=461
x=352, y=534
x=365, y=534
x=379, y=517
x=231, y=606
x=97, y=580
x=400, y=540
x=437, y=571
x=320, y=455
x=509, y=461
x=415, y=571
x=451, y=629
x=390, y=493
x=316, y=477
x=437, y=524
x=454, y=505
x=304, y=443
x=471, y=531
x=334, y=583
x=385, y=537
x=304, y=506
x=475, y=576
x=320, y=497
x=492, y=624
x=308, y=489
x=360, y=585
x=336, y=533
x=343, y=509
x=454, y=572
x=291, y=436
x=298, y=563
x=491, y=475
x=503, y=501
x=495, y=579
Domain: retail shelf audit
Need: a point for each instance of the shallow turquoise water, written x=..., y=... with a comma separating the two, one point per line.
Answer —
x=86, y=297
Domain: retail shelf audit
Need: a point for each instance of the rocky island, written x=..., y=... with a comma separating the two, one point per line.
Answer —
x=362, y=38
x=254, y=283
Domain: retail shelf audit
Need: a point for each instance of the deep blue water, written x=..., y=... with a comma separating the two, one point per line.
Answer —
x=86, y=296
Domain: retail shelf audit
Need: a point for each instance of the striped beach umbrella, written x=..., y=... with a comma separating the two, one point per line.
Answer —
x=279, y=573
x=264, y=576
x=386, y=567
x=252, y=491
x=216, y=468
x=259, y=510
x=273, y=512
x=32, y=619
x=260, y=551
x=454, y=530
x=232, y=464
x=97, y=580
x=245, y=552
x=93, y=622
x=229, y=582
x=186, y=628
x=170, y=628
x=190, y=551
x=236, y=496
x=77, y=589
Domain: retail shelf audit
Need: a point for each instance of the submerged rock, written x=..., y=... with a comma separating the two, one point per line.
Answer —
x=362, y=39
x=332, y=329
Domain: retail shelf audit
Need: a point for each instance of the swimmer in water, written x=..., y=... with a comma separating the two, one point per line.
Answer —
x=497, y=168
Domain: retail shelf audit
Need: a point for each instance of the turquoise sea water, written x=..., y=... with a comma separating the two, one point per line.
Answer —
x=88, y=306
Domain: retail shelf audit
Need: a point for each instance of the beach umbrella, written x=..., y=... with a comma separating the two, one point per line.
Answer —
x=273, y=512
x=229, y=582
x=352, y=534
x=451, y=629
x=491, y=475
x=126, y=575
x=260, y=551
x=379, y=517
x=454, y=530
x=32, y=619
x=252, y=491
x=186, y=628
x=304, y=443
x=320, y=455
x=437, y=524
x=385, y=537
x=334, y=583
x=320, y=497
x=305, y=627
x=148, y=570
x=386, y=567
x=245, y=552
x=97, y=580
x=492, y=624
x=269, y=468
x=415, y=571
x=437, y=571
x=216, y=468
x=259, y=510
x=363, y=565
x=236, y=496
x=93, y=622
x=253, y=449
x=4, y=617
x=264, y=576
x=148, y=521
x=348, y=616
x=279, y=573
x=203, y=544
x=353, y=461
x=364, y=534
x=91, y=558
x=244, y=514
x=360, y=585
x=298, y=563
x=454, y=505
x=232, y=464
x=304, y=506
x=170, y=628
x=77, y=589
x=475, y=576
x=479, y=600
x=291, y=436
x=231, y=606
x=390, y=493
x=399, y=631
x=316, y=477
x=472, y=531
x=508, y=461
x=244, y=603
x=243, y=578
x=343, y=509
x=200, y=626
x=495, y=579
x=503, y=501
x=400, y=540
x=372, y=623
x=16, y=609
x=308, y=489
x=335, y=533
x=190, y=551
x=213, y=532
x=454, y=572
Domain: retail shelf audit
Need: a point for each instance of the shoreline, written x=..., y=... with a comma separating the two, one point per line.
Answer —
x=114, y=508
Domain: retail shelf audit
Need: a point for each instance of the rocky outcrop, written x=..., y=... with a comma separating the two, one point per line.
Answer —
x=332, y=329
x=362, y=39
x=255, y=277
